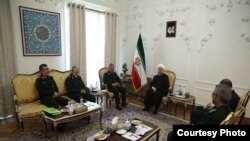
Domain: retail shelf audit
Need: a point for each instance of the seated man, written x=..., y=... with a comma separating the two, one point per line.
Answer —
x=158, y=88
x=76, y=87
x=220, y=98
x=113, y=82
x=201, y=112
x=48, y=90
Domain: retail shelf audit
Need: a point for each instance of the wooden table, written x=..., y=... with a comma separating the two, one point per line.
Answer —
x=115, y=137
x=92, y=108
x=178, y=99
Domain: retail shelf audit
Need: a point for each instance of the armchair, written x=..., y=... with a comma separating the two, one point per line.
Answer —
x=171, y=77
x=110, y=95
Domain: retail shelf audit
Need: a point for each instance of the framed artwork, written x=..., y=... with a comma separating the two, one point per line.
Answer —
x=41, y=34
x=171, y=29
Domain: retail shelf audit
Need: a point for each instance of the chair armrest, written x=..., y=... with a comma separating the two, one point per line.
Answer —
x=103, y=86
x=87, y=90
x=16, y=103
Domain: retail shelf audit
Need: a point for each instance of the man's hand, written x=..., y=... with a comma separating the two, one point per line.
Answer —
x=56, y=94
x=154, y=89
x=209, y=106
x=83, y=91
x=115, y=84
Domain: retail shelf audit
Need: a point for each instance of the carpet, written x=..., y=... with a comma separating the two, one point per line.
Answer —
x=80, y=129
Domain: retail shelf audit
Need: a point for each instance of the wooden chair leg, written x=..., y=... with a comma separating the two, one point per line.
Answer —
x=21, y=124
x=18, y=122
x=165, y=107
x=46, y=127
x=241, y=118
x=110, y=102
x=107, y=102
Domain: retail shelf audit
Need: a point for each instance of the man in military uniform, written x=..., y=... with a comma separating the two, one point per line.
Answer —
x=114, y=84
x=201, y=112
x=76, y=87
x=47, y=88
x=220, y=98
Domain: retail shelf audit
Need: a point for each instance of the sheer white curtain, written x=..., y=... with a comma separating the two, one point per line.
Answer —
x=110, y=38
x=95, y=42
x=7, y=60
x=78, y=38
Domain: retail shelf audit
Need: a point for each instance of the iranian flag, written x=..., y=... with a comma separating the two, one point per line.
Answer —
x=139, y=66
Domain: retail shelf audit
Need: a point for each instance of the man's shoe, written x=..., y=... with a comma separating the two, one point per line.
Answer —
x=155, y=112
x=118, y=107
x=61, y=127
x=124, y=104
x=145, y=109
x=87, y=118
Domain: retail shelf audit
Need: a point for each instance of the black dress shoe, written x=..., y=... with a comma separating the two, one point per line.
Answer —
x=118, y=107
x=155, y=112
x=145, y=109
x=124, y=104
x=61, y=127
x=87, y=118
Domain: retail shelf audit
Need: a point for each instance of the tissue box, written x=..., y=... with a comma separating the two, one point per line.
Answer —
x=81, y=109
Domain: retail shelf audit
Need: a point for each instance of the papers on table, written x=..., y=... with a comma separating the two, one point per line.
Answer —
x=142, y=129
x=131, y=136
x=89, y=104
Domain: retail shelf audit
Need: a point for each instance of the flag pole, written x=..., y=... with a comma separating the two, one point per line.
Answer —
x=140, y=28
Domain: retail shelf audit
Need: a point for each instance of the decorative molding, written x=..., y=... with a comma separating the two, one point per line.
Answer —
x=55, y=2
x=182, y=78
x=198, y=99
x=214, y=83
x=203, y=89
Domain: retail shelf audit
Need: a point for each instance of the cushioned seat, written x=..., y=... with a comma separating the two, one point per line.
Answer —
x=30, y=109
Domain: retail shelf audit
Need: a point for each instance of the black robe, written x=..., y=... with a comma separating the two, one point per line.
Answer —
x=161, y=83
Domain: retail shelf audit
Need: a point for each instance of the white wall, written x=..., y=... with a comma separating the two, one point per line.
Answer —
x=212, y=41
x=29, y=64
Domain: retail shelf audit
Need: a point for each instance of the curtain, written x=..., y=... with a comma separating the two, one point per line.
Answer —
x=78, y=38
x=110, y=38
x=95, y=44
x=7, y=60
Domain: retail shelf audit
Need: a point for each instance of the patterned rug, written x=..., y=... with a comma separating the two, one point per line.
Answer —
x=80, y=129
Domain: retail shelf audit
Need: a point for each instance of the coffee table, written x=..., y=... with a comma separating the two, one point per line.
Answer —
x=115, y=137
x=92, y=108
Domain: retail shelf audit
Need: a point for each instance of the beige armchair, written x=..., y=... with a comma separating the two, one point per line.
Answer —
x=227, y=120
x=171, y=77
x=234, y=118
x=110, y=95
x=243, y=103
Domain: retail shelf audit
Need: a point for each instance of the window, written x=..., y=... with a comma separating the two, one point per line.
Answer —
x=95, y=43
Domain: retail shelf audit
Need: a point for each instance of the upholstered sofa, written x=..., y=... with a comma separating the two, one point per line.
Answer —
x=27, y=104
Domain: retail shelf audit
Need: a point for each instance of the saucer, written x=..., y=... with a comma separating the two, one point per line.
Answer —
x=121, y=131
x=136, y=122
x=100, y=136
